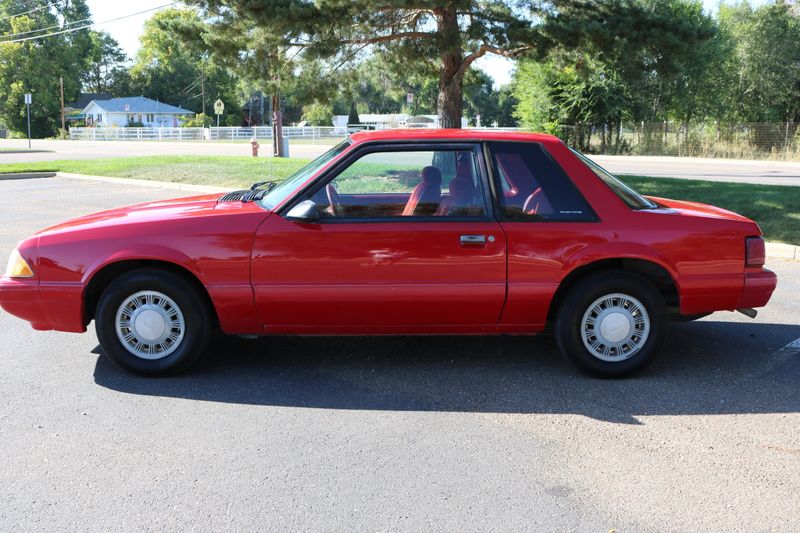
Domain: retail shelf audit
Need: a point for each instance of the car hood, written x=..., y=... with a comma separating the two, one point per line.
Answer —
x=160, y=211
x=696, y=209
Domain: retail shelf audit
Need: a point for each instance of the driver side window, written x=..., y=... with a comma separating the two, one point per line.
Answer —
x=430, y=183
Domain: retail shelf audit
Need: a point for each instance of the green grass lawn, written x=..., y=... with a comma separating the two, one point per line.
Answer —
x=221, y=171
x=775, y=208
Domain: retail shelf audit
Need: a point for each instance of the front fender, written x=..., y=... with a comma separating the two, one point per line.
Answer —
x=146, y=252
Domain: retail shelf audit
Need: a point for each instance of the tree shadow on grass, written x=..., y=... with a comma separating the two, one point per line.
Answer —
x=708, y=367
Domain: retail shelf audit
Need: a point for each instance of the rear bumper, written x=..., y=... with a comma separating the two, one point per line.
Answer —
x=49, y=307
x=758, y=288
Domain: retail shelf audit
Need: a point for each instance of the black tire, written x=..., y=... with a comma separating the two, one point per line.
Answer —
x=193, y=307
x=581, y=298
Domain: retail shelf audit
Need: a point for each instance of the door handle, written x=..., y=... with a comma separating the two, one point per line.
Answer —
x=473, y=240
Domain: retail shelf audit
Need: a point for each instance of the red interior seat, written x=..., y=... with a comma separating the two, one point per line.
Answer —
x=427, y=195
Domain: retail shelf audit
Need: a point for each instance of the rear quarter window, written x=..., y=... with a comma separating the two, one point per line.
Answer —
x=531, y=186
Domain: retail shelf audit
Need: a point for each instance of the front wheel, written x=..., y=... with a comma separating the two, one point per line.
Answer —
x=612, y=324
x=152, y=322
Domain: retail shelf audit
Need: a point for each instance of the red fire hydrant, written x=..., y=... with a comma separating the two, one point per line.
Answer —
x=255, y=145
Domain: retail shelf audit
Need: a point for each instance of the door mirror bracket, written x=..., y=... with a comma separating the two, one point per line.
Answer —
x=305, y=211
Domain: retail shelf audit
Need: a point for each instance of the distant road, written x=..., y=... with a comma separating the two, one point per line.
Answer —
x=59, y=150
x=732, y=170
x=762, y=172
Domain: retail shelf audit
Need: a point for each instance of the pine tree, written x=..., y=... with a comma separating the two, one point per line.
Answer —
x=452, y=33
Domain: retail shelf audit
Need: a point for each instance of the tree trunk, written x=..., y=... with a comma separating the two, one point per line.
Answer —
x=449, y=103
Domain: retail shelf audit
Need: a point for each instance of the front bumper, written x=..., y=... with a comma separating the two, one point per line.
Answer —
x=46, y=307
x=758, y=288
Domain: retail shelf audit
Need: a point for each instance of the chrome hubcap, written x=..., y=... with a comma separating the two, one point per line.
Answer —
x=615, y=327
x=150, y=325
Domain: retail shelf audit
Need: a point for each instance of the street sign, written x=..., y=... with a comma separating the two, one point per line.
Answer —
x=410, y=97
x=219, y=107
x=28, y=99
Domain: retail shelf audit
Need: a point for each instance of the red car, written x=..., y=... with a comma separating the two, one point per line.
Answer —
x=392, y=233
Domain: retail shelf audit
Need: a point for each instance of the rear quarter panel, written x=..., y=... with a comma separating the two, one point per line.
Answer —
x=703, y=255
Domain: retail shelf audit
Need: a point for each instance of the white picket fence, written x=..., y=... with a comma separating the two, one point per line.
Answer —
x=265, y=132
x=310, y=133
x=200, y=134
x=136, y=134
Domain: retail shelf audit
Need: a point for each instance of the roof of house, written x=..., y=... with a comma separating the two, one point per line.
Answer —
x=138, y=104
x=86, y=98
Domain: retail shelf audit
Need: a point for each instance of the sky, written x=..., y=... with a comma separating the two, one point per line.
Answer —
x=127, y=31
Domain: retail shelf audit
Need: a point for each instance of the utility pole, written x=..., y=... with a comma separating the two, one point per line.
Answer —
x=203, y=88
x=63, y=118
x=28, y=100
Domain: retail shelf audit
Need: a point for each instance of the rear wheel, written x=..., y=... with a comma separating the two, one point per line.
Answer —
x=152, y=322
x=612, y=324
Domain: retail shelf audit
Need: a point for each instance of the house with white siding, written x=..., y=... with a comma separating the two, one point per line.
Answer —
x=123, y=112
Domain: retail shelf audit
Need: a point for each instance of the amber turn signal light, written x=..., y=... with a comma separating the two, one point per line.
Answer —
x=18, y=267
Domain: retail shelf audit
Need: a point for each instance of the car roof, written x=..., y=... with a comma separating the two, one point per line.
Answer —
x=424, y=134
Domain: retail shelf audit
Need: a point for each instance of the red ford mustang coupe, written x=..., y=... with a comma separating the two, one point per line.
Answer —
x=398, y=232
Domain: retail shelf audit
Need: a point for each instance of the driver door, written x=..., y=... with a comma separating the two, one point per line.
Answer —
x=404, y=243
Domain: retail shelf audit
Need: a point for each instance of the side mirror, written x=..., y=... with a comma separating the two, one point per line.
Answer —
x=305, y=211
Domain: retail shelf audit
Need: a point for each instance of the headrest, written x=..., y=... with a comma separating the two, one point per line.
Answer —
x=461, y=188
x=432, y=176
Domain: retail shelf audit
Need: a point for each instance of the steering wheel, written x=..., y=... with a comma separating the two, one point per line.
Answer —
x=334, y=200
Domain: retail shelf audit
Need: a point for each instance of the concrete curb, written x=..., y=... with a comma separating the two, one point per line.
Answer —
x=26, y=175
x=783, y=251
x=147, y=183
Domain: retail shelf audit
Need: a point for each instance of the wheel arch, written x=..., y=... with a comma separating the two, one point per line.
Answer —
x=104, y=276
x=652, y=271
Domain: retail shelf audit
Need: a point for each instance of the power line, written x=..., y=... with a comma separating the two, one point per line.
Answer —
x=35, y=9
x=72, y=30
x=45, y=29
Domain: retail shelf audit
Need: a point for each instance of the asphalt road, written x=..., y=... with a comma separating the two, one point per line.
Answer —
x=764, y=172
x=47, y=150
x=384, y=434
x=730, y=170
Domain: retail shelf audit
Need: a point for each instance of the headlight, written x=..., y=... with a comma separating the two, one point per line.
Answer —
x=18, y=267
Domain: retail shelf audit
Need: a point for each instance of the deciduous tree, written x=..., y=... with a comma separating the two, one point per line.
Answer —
x=34, y=64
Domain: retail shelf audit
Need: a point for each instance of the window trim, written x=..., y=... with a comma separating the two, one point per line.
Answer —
x=393, y=146
x=498, y=208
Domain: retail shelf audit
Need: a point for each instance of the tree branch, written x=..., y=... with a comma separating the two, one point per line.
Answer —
x=391, y=37
x=484, y=49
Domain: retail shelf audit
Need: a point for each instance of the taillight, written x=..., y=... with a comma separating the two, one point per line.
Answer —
x=754, y=254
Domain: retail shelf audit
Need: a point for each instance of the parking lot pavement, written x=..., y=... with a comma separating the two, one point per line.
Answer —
x=418, y=433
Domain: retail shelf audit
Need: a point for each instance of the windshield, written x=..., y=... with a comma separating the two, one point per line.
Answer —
x=279, y=193
x=625, y=193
